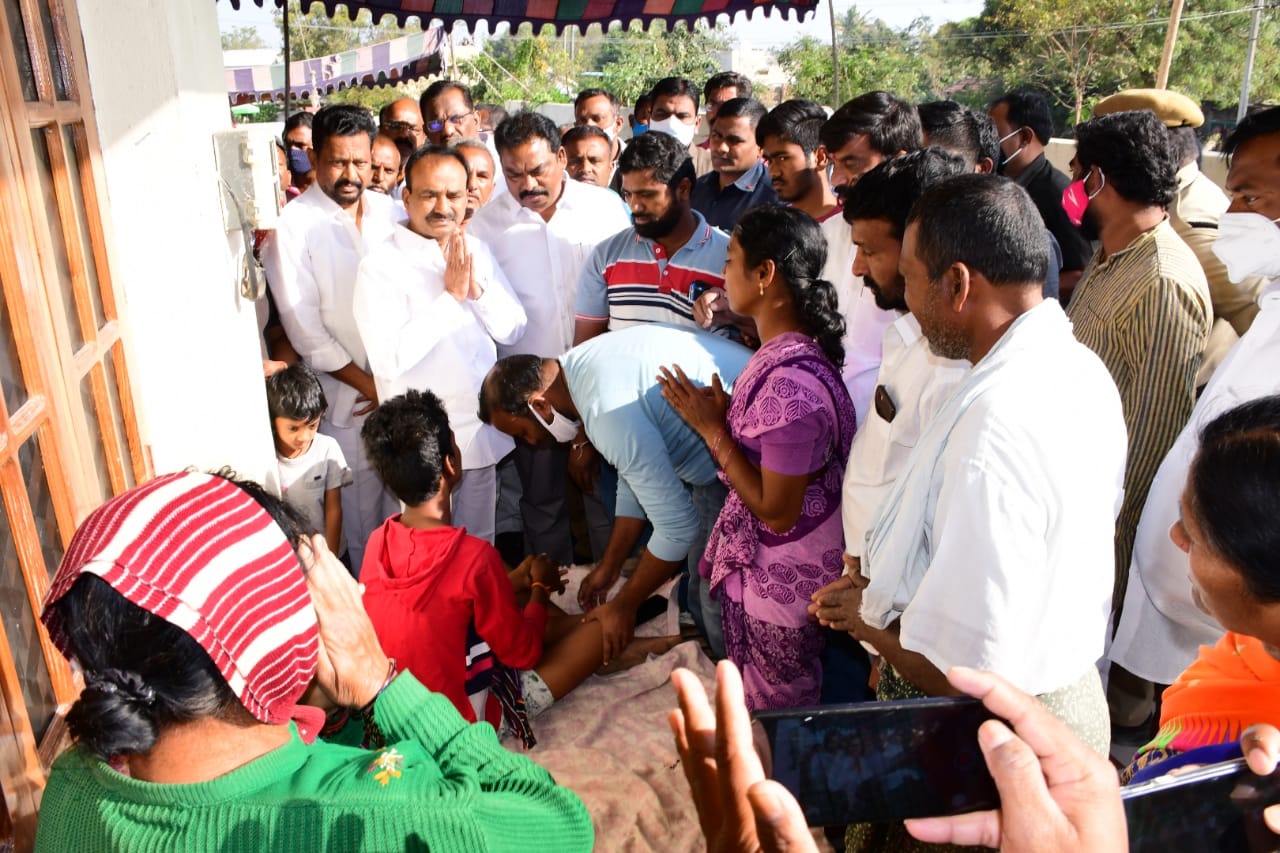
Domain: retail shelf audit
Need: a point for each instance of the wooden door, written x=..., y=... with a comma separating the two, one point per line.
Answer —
x=68, y=428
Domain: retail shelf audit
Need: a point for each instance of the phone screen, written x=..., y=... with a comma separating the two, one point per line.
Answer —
x=882, y=761
x=1214, y=808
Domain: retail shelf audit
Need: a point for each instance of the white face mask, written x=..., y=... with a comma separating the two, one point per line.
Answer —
x=673, y=126
x=562, y=427
x=1248, y=244
x=1006, y=161
x=609, y=132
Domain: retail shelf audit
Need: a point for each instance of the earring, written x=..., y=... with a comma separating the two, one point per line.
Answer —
x=762, y=288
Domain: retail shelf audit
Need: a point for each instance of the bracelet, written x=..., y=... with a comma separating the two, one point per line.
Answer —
x=540, y=585
x=715, y=445
x=577, y=448
x=386, y=682
x=724, y=466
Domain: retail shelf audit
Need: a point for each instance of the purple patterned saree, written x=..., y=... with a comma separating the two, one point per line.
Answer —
x=791, y=414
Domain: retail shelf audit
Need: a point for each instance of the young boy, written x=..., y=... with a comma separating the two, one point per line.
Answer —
x=429, y=585
x=312, y=467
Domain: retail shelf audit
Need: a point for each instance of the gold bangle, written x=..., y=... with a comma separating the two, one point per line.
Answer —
x=540, y=585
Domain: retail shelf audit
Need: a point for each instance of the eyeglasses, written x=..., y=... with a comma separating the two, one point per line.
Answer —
x=395, y=126
x=438, y=125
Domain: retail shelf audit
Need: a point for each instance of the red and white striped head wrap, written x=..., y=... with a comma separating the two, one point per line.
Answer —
x=202, y=554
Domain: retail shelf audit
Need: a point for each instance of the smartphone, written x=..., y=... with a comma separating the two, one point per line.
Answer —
x=881, y=761
x=697, y=288
x=1213, y=808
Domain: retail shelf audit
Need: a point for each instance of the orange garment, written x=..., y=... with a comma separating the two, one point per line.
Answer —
x=1228, y=688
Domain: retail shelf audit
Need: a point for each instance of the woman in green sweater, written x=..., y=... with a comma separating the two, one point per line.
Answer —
x=184, y=604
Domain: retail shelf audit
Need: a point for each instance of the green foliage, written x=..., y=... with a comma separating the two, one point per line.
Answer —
x=632, y=60
x=243, y=38
x=535, y=69
x=315, y=34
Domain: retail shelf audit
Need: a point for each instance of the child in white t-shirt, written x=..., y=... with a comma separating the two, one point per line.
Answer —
x=312, y=467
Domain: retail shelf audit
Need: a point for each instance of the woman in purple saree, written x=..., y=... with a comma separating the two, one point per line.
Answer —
x=781, y=445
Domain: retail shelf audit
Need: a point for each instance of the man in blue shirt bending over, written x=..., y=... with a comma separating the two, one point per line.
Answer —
x=608, y=386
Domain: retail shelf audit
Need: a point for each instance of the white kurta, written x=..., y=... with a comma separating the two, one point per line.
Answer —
x=311, y=264
x=543, y=260
x=1161, y=629
x=865, y=322
x=419, y=336
x=995, y=545
x=918, y=382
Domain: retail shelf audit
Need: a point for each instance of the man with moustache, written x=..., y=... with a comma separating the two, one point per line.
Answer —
x=993, y=547
x=431, y=306
x=588, y=155
x=653, y=271
x=740, y=180
x=542, y=230
x=311, y=263
x=912, y=382
x=1143, y=304
x=790, y=137
x=385, y=174
x=481, y=184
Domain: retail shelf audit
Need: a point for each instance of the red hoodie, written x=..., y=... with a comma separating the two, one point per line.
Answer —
x=424, y=587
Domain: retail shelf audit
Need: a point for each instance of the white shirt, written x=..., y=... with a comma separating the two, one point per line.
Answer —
x=918, y=382
x=419, y=336
x=1019, y=533
x=543, y=260
x=311, y=262
x=865, y=322
x=1161, y=629
x=305, y=479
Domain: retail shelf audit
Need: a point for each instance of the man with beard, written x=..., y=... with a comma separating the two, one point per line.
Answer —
x=912, y=383
x=790, y=137
x=1025, y=127
x=542, y=231
x=311, y=263
x=653, y=271
x=481, y=184
x=1143, y=303
x=993, y=547
x=431, y=305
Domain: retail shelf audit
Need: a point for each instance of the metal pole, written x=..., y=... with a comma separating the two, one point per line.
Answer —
x=286, y=59
x=1248, y=61
x=835, y=58
x=1170, y=39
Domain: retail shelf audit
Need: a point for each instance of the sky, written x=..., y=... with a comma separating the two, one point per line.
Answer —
x=760, y=31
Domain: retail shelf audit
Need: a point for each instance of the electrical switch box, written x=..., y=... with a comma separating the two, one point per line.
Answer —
x=249, y=168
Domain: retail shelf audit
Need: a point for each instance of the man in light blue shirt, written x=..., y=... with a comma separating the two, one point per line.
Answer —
x=608, y=387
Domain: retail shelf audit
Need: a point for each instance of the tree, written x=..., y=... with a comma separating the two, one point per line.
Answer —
x=535, y=69
x=316, y=34
x=243, y=38
x=632, y=60
x=872, y=54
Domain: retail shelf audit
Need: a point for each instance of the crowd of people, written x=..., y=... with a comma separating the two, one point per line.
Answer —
x=889, y=396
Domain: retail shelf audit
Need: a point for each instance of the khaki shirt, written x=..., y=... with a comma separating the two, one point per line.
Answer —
x=1194, y=215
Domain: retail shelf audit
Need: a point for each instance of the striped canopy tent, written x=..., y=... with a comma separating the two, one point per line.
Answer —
x=397, y=61
x=561, y=13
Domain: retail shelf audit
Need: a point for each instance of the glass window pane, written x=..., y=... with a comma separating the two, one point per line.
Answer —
x=73, y=150
x=21, y=50
x=15, y=390
x=58, y=59
x=95, y=436
x=56, y=239
x=41, y=499
x=24, y=641
x=117, y=415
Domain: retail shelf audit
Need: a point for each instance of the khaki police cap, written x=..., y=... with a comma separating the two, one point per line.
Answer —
x=1173, y=108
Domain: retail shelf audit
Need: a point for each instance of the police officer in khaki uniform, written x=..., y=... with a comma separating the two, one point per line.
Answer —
x=1194, y=216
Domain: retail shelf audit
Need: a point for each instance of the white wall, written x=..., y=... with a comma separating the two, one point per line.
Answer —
x=157, y=82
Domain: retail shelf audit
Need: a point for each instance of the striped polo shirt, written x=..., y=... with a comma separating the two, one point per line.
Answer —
x=1145, y=311
x=630, y=279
